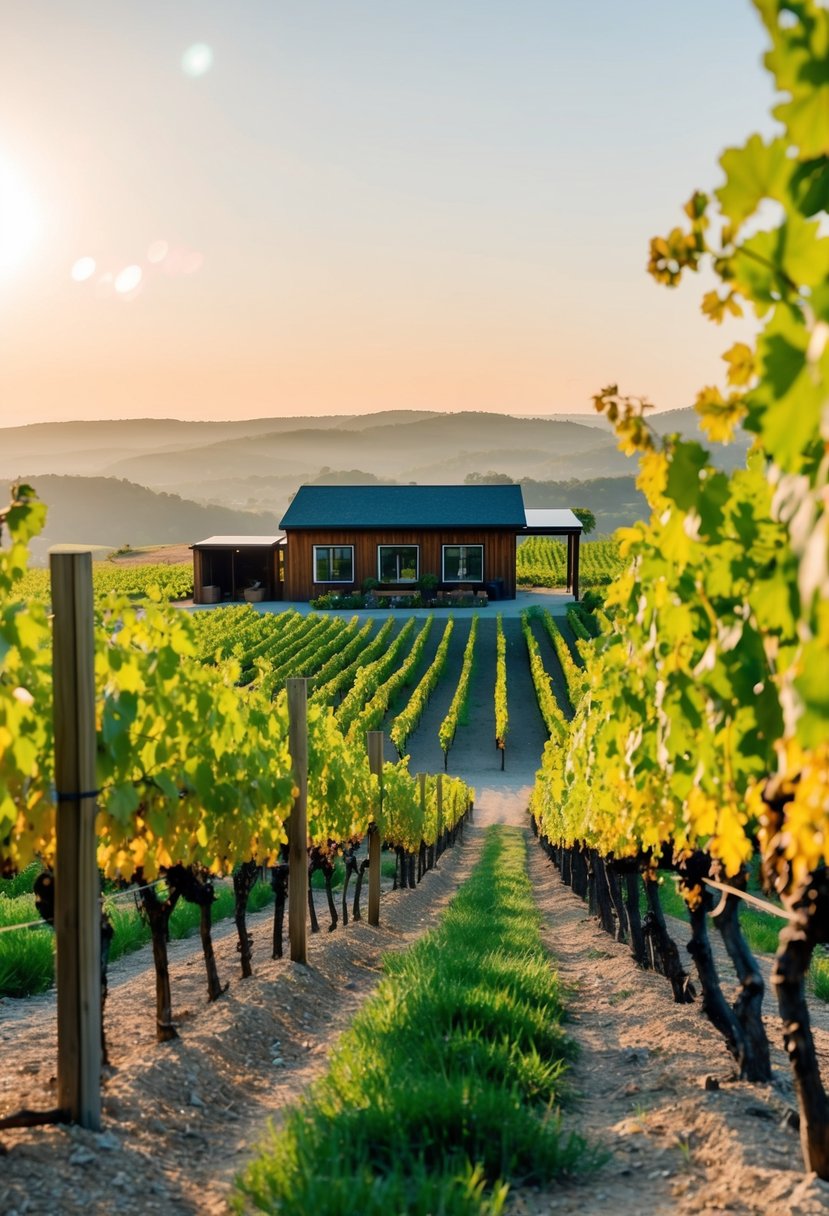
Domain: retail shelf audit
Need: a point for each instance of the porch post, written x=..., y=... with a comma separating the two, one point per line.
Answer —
x=576, y=542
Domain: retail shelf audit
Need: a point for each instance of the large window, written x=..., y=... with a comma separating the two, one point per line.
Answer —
x=398, y=563
x=333, y=563
x=463, y=563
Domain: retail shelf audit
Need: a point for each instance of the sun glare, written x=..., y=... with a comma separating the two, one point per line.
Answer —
x=18, y=219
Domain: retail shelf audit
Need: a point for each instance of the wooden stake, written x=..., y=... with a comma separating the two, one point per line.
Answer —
x=298, y=820
x=77, y=884
x=375, y=761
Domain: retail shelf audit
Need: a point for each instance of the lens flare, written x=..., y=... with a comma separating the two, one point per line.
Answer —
x=128, y=279
x=197, y=60
x=157, y=252
x=83, y=269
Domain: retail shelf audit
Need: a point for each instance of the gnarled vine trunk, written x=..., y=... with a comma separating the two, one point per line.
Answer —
x=243, y=883
x=810, y=927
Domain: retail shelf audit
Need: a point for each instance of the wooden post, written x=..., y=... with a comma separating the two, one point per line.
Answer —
x=298, y=820
x=375, y=762
x=439, y=815
x=77, y=884
x=576, y=542
x=569, y=582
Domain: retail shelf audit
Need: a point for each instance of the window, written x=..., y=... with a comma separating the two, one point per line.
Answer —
x=333, y=563
x=398, y=563
x=463, y=563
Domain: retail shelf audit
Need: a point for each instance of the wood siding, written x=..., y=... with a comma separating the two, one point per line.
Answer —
x=499, y=555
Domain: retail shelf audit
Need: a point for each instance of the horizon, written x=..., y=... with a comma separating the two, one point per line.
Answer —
x=256, y=418
x=325, y=211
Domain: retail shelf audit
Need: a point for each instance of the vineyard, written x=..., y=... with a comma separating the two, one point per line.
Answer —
x=462, y=870
x=542, y=562
x=173, y=581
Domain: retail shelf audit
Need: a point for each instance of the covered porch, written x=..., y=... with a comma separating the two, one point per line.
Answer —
x=238, y=567
x=558, y=522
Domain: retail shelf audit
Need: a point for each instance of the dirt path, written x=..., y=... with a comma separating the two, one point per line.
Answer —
x=180, y=1119
x=675, y=1147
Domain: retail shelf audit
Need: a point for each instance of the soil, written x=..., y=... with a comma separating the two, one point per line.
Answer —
x=654, y=1087
x=181, y=1119
x=164, y=555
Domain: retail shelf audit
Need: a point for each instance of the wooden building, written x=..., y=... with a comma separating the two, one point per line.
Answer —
x=237, y=568
x=339, y=536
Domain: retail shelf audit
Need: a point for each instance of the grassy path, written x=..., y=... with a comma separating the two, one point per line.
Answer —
x=443, y=1092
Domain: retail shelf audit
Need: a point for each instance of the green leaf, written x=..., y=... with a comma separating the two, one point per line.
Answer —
x=687, y=461
x=755, y=172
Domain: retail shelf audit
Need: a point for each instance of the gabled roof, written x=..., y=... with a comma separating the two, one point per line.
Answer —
x=406, y=507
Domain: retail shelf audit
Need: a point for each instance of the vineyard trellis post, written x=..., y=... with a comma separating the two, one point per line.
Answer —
x=77, y=883
x=375, y=762
x=298, y=820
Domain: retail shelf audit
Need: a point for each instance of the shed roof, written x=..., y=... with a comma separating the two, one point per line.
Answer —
x=500, y=506
x=552, y=520
x=239, y=542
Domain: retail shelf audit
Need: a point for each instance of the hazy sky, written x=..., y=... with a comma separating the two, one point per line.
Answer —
x=339, y=206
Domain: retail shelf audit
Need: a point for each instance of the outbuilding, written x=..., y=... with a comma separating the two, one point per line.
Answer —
x=238, y=567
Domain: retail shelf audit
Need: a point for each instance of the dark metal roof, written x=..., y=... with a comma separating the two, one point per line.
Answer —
x=406, y=507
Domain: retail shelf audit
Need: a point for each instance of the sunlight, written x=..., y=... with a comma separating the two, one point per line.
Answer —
x=197, y=60
x=18, y=218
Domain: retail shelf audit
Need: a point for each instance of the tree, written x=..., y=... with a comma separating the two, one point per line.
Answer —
x=488, y=479
x=586, y=518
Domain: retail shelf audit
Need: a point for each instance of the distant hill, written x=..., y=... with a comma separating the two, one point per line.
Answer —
x=257, y=464
x=105, y=511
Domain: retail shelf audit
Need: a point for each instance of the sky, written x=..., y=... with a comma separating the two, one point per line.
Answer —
x=279, y=207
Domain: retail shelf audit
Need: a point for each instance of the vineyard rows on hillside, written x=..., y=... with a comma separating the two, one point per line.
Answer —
x=542, y=562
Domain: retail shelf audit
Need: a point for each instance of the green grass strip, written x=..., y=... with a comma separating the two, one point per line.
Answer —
x=27, y=957
x=443, y=1092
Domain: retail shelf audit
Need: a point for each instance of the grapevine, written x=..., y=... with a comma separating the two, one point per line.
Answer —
x=370, y=677
x=408, y=718
x=374, y=711
x=501, y=710
x=542, y=562
x=344, y=676
x=703, y=725
x=449, y=725
x=551, y=711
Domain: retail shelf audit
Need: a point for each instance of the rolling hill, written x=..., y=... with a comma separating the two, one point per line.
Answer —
x=210, y=476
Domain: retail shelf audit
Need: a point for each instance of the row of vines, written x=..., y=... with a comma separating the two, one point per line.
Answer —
x=700, y=741
x=194, y=771
x=542, y=562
